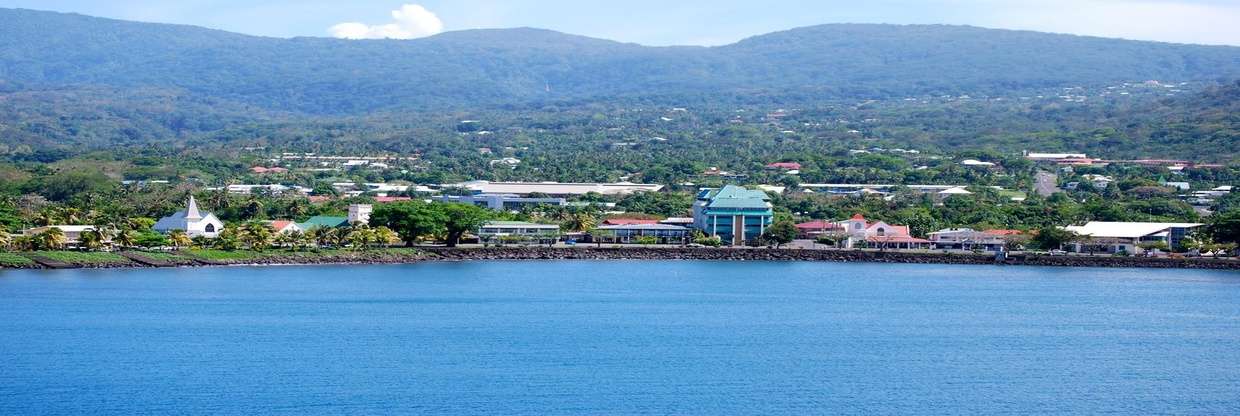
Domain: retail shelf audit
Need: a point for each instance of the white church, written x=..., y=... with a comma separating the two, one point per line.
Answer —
x=193, y=222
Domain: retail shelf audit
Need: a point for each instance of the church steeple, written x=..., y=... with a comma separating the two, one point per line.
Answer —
x=192, y=213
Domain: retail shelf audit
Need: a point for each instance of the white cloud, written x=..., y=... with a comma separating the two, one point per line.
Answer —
x=411, y=21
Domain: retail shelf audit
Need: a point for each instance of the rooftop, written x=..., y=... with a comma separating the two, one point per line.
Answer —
x=1125, y=229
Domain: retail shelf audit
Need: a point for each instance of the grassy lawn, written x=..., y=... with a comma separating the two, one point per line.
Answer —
x=165, y=256
x=13, y=260
x=222, y=255
x=83, y=258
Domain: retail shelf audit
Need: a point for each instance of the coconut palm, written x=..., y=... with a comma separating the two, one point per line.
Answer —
x=71, y=215
x=385, y=236
x=180, y=239
x=579, y=222
x=6, y=239
x=47, y=217
x=257, y=234
x=52, y=239
x=125, y=238
x=92, y=239
x=322, y=236
x=228, y=239
x=297, y=240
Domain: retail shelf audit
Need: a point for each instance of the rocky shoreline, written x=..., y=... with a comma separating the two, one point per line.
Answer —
x=138, y=260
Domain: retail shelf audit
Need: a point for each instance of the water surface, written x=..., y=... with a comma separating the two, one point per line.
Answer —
x=620, y=337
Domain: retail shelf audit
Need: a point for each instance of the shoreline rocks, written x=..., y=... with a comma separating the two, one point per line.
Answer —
x=673, y=253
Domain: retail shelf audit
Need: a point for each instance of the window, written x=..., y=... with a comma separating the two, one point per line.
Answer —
x=210, y=228
x=856, y=226
x=882, y=232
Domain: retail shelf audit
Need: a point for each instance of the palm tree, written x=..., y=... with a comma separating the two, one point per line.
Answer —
x=257, y=235
x=322, y=236
x=6, y=239
x=47, y=217
x=180, y=239
x=125, y=238
x=579, y=222
x=92, y=239
x=52, y=239
x=297, y=240
x=71, y=215
x=385, y=236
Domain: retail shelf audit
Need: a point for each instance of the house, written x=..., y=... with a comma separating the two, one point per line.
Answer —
x=358, y=213
x=811, y=230
x=785, y=166
x=265, y=170
x=1127, y=237
x=285, y=226
x=629, y=233
x=977, y=163
x=1099, y=181
x=495, y=229
x=879, y=234
x=502, y=202
x=733, y=213
x=967, y=239
x=73, y=233
x=1181, y=186
x=192, y=221
x=948, y=193
x=391, y=199
x=323, y=221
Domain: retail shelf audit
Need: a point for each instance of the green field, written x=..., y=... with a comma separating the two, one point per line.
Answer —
x=14, y=260
x=83, y=258
x=167, y=257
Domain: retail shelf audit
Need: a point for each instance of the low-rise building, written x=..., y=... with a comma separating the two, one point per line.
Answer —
x=967, y=239
x=630, y=233
x=72, y=233
x=1128, y=237
x=734, y=214
x=284, y=226
x=557, y=189
x=816, y=228
x=879, y=234
x=497, y=229
x=502, y=202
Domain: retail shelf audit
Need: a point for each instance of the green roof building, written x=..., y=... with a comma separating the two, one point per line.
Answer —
x=323, y=221
x=733, y=213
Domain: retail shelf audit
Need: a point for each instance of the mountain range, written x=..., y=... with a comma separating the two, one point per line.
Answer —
x=42, y=51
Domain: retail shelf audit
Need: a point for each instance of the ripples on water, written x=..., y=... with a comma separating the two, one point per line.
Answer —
x=634, y=337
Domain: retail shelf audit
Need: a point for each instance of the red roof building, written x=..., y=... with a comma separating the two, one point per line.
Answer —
x=784, y=166
x=629, y=221
x=391, y=199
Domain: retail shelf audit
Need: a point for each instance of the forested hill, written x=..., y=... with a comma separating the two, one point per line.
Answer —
x=44, y=50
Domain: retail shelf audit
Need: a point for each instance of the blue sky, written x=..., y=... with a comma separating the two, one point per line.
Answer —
x=697, y=22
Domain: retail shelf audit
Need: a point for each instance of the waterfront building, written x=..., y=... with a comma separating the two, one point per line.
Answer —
x=1128, y=237
x=813, y=229
x=879, y=234
x=192, y=221
x=734, y=214
x=967, y=239
x=519, y=230
x=629, y=233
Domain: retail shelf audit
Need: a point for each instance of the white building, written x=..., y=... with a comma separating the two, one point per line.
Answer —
x=360, y=213
x=556, y=188
x=1127, y=237
x=193, y=222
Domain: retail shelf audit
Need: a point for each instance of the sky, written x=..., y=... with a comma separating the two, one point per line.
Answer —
x=652, y=22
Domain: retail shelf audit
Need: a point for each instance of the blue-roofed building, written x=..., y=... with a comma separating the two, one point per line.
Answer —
x=734, y=214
